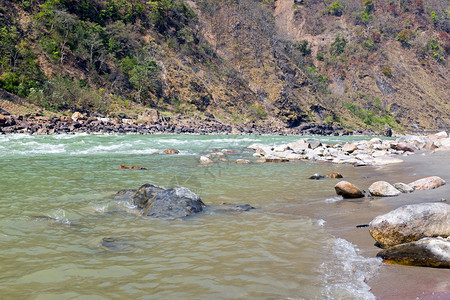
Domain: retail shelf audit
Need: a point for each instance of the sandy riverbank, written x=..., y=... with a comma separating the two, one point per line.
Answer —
x=393, y=281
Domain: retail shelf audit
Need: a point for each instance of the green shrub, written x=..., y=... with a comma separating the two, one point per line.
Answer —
x=433, y=17
x=369, y=117
x=320, y=56
x=405, y=36
x=303, y=48
x=369, y=45
x=386, y=71
x=335, y=8
x=258, y=111
x=338, y=46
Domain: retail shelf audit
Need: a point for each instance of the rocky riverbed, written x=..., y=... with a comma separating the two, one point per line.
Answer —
x=151, y=123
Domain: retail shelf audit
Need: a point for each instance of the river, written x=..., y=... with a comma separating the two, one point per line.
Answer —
x=57, y=206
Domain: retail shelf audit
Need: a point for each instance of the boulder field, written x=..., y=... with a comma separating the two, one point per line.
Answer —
x=359, y=153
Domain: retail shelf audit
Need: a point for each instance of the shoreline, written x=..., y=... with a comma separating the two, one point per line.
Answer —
x=393, y=281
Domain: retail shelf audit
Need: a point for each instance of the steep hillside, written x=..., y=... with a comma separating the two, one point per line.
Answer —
x=356, y=64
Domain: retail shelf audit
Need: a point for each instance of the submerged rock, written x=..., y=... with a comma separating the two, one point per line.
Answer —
x=427, y=252
x=383, y=189
x=124, y=194
x=235, y=208
x=243, y=161
x=145, y=194
x=348, y=190
x=427, y=183
x=410, y=223
x=205, y=160
x=113, y=244
x=335, y=175
x=316, y=176
x=174, y=203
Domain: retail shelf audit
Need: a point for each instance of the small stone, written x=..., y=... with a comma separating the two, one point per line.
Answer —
x=77, y=116
x=348, y=147
x=316, y=176
x=427, y=183
x=171, y=151
x=402, y=146
x=205, y=160
x=375, y=141
x=335, y=175
x=298, y=146
x=314, y=143
x=403, y=187
x=348, y=190
x=383, y=189
x=242, y=161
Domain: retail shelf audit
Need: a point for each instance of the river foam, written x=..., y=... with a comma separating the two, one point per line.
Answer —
x=346, y=272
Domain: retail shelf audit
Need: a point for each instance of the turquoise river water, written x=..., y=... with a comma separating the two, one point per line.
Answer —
x=56, y=207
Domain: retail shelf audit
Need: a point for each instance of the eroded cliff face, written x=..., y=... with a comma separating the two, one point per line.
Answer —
x=293, y=57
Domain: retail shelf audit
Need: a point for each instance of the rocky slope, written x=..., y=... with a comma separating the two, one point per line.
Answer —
x=286, y=63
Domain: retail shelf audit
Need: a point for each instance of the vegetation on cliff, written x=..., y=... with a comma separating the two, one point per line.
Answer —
x=357, y=63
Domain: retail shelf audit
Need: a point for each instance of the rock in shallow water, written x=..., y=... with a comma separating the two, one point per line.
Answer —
x=427, y=252
x=174, y=203
x=410, y=223
x=427, y=183
x=171, y=151
x=335, y=175
x=383, y=189
x=348, y=190
x=316, y=176
x=205, y=160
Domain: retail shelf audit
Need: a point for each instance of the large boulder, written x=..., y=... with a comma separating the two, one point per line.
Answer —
x=383, y=189
x=427, y=183
x=145, y=194
x=411, y=223
x=174, y=203
x=348, y=190
x=427, y=252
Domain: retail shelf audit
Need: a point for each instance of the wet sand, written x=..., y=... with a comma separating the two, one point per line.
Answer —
x=393, y=281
